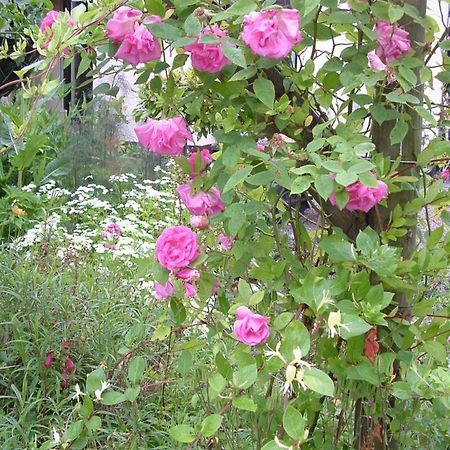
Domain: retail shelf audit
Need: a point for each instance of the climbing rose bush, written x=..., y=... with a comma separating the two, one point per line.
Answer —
x=301, y=300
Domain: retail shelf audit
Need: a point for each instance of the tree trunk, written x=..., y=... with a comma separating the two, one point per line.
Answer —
x=407, y=151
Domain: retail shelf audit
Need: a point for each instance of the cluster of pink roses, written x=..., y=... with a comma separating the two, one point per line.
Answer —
x=393, y=44
x=362, y=197
x=176, y=250
x=136, y=44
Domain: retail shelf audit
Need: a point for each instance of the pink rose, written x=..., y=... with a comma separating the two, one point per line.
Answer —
x=187, y=274
x=251, y=328
x=377, y=65
x=176, y=247
x=122, y=23
x=260, y=147
x=199, y=222
x=164, y=137
x=208, y=57
x=205, y=159
x=446, y=174
x=375, y=62
x=272, y=33
x=49, y=20
x=201, y=203
x=139, y=47
x=362, y=197
x=189, y=290
x=226, y=242
x=163, y=291
x=393, y=41
x=52, y=16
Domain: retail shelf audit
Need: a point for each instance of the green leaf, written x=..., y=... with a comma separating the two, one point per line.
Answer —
x=94, y=380
x=245, y=403
x=435, y=149
x=300, y=184
x=318, y=381
x=295, y=336
x=426, y=115
x=182, y=433
x=282, y=320
x=352, y=326
x=217, y=383
x=113, y=398
x=245, y=376
x=73, y=431
x=211, y=424
x=244, y=74
x=238, y=177
x=239, y=8
x=131, y=393
x=261, y=178
x=234, y=54
x=192, y=25
x=94, y=423
x=294, y=423
x=264, y=91
x=164, y=31
x=337, y=249
x=398, y=133
x=136, y=369
x=324, y=186
x=25, y=157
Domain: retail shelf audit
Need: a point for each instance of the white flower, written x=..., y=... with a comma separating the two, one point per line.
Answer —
x=78, y=394
x=56, y=436
x=98, y=393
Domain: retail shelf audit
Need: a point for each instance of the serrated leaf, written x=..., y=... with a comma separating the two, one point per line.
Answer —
x=234, y=54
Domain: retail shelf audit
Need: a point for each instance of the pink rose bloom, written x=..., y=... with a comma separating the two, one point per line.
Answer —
x=226, y=242
x=163, y=291
x=122, y=23
x=362, y=197
x=187, y=274
x=393, y=42
x=176, y=247
x=139, y=47
x=251, y=328
x=201, y=203
x=208, y=57
x=49, y=20
x=260, y=147
x=205, y=159
x=52, y=16
x=164, y=137
x=446, y=174
x=199, y=222
x=377, y=65
x=272, y=33
x=189, y=290
x=375, y=62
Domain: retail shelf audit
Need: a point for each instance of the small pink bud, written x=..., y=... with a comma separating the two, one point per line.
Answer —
x=65, y=345
x=64, y=384
x=49, y=360
x=200, y=222
x=70, y=366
